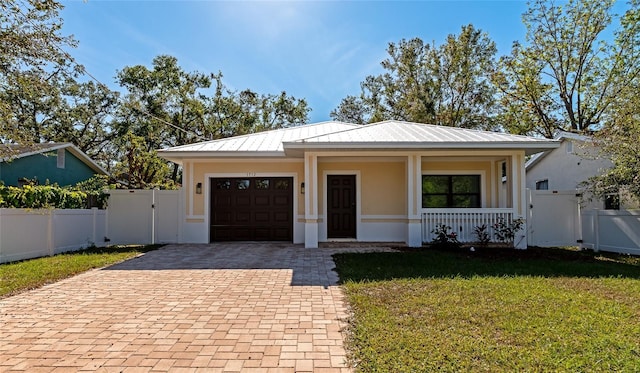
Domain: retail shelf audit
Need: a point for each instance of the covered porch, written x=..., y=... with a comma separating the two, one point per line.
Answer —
x=407, y=195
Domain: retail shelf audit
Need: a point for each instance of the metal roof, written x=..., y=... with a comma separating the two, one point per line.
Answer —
x=394, y=135
x=265, y=142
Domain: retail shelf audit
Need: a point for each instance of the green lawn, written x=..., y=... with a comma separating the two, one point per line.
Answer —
x=29, y=274
x=540, y=310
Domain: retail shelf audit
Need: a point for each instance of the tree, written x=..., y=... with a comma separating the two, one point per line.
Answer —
x=447, y=85
x=140, y=167
x=619, y=140
x=167, y=106
x=230, y=113
x=84, y=118
x=565, y=77
x=32, y=65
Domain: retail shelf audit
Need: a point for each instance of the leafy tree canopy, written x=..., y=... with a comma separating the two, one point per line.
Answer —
x=566, y=76
x=447, y=84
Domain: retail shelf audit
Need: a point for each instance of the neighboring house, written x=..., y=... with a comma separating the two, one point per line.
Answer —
x=61, y=163
x=389, y=181
x=564, y=168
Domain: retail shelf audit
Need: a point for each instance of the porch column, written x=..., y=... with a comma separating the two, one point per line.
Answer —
x=519, y=197
x=311, y=201
x=414, y=201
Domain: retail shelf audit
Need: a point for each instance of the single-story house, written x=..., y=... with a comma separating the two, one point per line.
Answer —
x=61, y=163
x=390, y=181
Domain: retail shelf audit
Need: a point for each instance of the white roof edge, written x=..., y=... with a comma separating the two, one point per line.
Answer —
x=560, y=137
x=87, y=160
x=40, y=151
x=551, y=144
x=218, y=154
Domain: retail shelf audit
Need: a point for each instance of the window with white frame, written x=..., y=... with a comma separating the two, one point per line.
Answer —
x=542, y=184
x=61, y=155
x=451, y=191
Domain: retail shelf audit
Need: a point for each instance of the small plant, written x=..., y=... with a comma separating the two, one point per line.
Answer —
x=482, y=234
x=506, y=231
x=444, y=237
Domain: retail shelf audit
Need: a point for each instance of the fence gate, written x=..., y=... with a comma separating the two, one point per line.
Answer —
x=553, y=218
x=143, y=216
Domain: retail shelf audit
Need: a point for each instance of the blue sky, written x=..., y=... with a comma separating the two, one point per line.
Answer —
x=319, y=51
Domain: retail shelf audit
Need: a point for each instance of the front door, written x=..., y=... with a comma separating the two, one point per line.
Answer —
x=341, y=206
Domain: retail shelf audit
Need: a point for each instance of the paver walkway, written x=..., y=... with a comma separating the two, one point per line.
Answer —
x=224, y=307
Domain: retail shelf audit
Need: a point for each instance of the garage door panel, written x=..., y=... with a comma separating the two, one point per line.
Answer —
x=223, y=217
x=243, y=217
x=261, y=200
x=281, y=217
x=222, y=200
x=262, y=234
x=251, y=209
x=281, y=201
x=242, y=200
x=262, y=217
x=280, y=234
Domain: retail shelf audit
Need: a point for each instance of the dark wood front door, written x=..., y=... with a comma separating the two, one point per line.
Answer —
x=251, y=209
x=341, y=206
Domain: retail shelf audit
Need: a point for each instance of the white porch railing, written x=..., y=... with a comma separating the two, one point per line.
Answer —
x=463, y=221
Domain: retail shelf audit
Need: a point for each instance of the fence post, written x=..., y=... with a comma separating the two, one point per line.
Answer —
x=50, y=236
x=153, y=216
x=94, y=210
x=596, y=229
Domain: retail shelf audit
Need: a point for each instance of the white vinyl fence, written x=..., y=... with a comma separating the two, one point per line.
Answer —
x=132, y=217
x=144, y=216
x=553, y=218
x=31, y=233
x=612, y=230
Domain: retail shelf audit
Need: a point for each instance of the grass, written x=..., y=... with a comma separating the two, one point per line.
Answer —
x=19, y=276
x=502, y=310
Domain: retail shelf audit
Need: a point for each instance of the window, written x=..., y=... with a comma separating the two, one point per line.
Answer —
x=282, y=184
x=569, y=147
x=61, y=154
x=450, y=191
x=542, y=184
x=262, y=183
x=223, y=184
x=612, y=202
x=243, y=184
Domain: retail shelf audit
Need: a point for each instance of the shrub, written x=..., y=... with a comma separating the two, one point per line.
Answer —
x=482, y=234
x=87, y=194
x=506, y=231
x=444, y=237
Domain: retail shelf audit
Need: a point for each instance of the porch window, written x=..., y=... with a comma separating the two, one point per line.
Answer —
x=451, y=191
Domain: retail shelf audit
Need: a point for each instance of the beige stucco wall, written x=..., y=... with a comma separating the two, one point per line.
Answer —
x=203, y=170
x=382, y=187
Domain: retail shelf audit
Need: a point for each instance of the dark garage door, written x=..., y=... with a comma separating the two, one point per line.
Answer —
x=251, y=209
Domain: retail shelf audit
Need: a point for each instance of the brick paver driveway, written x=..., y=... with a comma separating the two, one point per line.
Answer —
x=228, y=307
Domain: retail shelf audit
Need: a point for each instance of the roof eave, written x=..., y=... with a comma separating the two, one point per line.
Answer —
x=529, y=147
x=179, y=156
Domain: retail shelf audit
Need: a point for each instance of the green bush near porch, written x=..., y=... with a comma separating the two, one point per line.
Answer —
x=511, y=310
